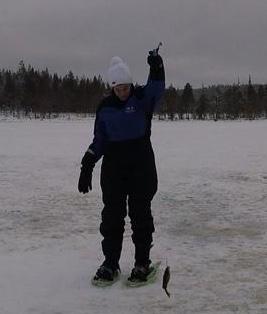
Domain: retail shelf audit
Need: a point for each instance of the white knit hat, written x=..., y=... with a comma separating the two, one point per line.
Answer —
x=118, y=72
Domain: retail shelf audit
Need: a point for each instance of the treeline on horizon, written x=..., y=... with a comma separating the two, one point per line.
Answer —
x=35, y=93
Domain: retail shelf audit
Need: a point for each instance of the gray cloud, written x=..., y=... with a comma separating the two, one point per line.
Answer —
x=205, y=41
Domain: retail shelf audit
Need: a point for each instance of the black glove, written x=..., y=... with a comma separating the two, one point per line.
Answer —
x=156, y=66
x=154, y=59
x=85, y=180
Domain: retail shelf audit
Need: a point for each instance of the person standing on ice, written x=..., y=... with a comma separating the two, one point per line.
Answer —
x=128, y=173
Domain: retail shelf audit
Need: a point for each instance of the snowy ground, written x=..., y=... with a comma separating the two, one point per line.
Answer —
x=210, y=214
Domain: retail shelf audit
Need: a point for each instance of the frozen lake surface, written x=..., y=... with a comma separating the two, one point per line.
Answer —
x=210, y=214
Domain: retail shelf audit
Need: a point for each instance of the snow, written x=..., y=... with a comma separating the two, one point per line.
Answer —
x=210, y=217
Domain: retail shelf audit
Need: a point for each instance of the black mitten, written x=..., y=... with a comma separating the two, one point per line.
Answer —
x=156, y=66
x=85, y=180
x=154, y=60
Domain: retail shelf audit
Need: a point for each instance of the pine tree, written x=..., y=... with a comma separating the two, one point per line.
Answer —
x=202, y=107
x=187, y=100
x=171, y=101
x=251, y=100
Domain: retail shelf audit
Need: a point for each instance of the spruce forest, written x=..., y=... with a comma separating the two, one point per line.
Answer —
x=32, y=93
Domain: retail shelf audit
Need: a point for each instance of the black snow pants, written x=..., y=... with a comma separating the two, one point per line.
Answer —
x=128, y=177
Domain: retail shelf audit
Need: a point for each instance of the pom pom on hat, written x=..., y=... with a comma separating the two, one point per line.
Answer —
x=118, y=72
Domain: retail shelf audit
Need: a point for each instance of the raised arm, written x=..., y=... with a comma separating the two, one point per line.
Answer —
x=154, y=89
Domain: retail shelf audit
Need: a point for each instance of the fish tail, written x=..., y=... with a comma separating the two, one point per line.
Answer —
x=167, y=292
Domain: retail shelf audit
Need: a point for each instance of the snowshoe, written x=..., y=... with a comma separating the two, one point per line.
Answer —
x=143, y=275
x=105, y=276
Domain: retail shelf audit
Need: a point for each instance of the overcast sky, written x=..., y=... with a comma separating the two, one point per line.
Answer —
x=204, y=41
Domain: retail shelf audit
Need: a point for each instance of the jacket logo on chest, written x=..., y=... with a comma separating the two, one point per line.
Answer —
x=129, y=109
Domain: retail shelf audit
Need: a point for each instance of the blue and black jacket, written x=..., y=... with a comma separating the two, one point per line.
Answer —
x=120, y=122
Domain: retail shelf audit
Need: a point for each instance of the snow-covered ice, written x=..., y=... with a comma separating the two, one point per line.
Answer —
x=210, y=216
